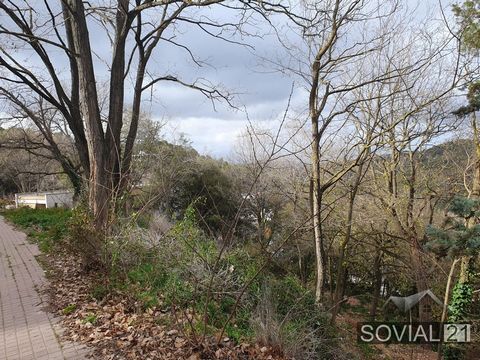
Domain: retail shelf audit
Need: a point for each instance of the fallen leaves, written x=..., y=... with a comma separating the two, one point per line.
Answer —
x=116, y=328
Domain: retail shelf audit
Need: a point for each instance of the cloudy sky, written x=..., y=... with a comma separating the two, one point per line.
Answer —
x=259, y=90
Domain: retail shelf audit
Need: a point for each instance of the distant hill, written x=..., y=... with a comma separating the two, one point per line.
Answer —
x=453, y=150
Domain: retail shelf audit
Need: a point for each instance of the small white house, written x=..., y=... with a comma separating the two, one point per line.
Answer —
x=49, y=199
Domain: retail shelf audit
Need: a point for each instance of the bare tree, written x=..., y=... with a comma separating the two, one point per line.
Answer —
x=330, y=44
x=65, y=29
x=402, y=190
x=27, y=166
x=40, y=131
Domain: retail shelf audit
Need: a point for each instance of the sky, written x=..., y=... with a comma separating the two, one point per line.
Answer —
x=260, y=90
x=260, y=93
x=236, y=69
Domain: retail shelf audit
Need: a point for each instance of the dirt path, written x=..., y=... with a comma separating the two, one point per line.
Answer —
x=26, y=331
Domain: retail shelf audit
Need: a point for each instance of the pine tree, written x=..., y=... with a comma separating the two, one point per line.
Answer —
x=468, y=18
x=460, y=238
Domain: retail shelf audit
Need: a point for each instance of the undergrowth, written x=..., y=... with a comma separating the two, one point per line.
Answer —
x=45, y=226
x=233, y=293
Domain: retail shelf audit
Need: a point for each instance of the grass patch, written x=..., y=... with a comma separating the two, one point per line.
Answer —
x=45, y=226
x=90, y=318
x=69, y=309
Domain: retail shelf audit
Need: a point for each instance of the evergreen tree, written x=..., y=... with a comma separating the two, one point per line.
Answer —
x=468, y=17
x=459, y=238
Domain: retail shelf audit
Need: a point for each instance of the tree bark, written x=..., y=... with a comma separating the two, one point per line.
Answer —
x=98, y=189
x=76, y=121
x=443, y=318
x=418, y=268
x=340, y=276
x=377, y=284
x=316, y=213
x=116, y=99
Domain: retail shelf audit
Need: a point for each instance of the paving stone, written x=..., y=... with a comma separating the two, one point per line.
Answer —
x=26, y=331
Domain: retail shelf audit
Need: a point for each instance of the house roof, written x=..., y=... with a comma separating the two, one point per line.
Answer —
x=52, y=192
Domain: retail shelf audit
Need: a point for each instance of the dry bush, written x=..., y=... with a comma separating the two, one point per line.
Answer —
x=265, y=320
x=286, y=318
x=159, y=225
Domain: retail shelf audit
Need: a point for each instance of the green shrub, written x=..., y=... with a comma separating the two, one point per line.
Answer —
x=290, y=295
x=184, y=270
x=85, y=241
x=47, y=226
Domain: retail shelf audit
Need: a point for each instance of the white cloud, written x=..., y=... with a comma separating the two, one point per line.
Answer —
x=209, y=136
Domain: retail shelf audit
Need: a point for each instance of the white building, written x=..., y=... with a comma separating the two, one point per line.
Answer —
x=49, y=199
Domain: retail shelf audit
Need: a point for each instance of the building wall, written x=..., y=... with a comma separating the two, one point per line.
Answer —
x=48, y=200
x=64, y=200
x=33, y=201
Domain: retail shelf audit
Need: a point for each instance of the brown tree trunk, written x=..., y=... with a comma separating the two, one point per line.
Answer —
x=99, y=188
x=341, y=269
x=145, y=53
x=76, y=121
x=416, y=250
x=116, y=99
x=377, y=283
x=446, y=297
x=418, y=269
x=340, y=276
x=132, y=131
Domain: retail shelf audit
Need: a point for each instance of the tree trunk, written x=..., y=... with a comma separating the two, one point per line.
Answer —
x=416, y=250
x=132, y=131
x=99, y=193
x=75, y=120
x=116, y=99
x=316, y=214
x=329, y=262
x=340, y=276
x=377, y=284
x=418, y=268
x=443, y=318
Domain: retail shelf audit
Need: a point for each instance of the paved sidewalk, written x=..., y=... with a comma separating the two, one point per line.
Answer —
x=26, y=331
